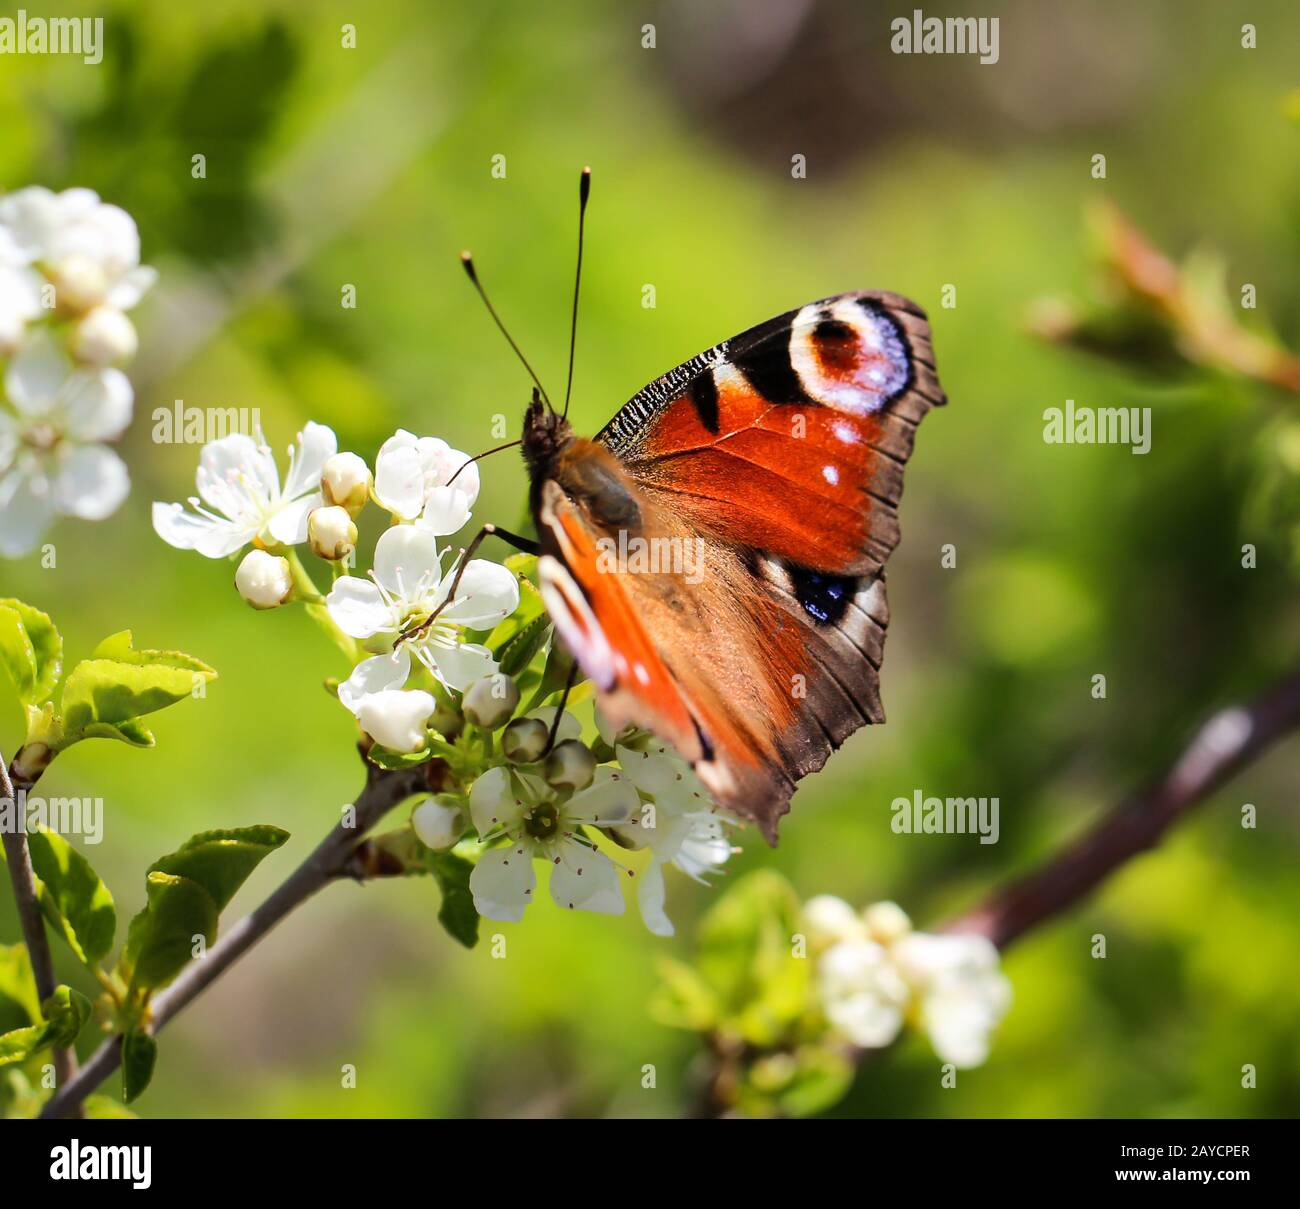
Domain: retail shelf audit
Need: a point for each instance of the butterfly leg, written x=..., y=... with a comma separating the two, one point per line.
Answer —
x=524, y=544
x=559, y=710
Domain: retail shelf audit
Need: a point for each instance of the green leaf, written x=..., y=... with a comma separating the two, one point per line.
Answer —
x=160, y=940
x=130, y=730
x=72, y=896
x=105, y=1108
x=20, y=1005
x=457, y=913
x=139, y=1054
x=221, y=861
x=519, y=651
x=63, y=1015
x=30, y=649
x=397, y=760
x=745, y=952
x=119, y=684
x=554, y=676
x=683, y=998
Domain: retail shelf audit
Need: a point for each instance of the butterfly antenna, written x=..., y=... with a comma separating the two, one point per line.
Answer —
x=468, y=262
x=584, y=192
x=480, y=456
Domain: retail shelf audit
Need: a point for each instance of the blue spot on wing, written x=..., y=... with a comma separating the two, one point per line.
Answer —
x=825, y=597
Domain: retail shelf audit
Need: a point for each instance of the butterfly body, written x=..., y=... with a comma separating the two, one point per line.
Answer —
x=774, y=461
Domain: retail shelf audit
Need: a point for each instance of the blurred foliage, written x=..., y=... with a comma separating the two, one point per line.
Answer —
x=372, y=166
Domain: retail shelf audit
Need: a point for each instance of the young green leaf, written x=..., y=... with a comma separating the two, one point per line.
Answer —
x=220, y=861
x=139, y=1055
x=63, y=1015
x=119, y=684
x=161, y=940
x=72, y=896
x=518, y=652
x=457, y=913
x=31, y=650
x=20, y=1005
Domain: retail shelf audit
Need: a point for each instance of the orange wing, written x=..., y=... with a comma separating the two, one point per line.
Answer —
x=778, y=457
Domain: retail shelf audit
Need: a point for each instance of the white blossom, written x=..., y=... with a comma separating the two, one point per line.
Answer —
x=539, y=825
x=405, y=602
x=240, y=498
x=413, y=481
x=51, y=460
x=89, y=250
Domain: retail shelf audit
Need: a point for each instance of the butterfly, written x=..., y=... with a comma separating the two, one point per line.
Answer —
x=776, y=458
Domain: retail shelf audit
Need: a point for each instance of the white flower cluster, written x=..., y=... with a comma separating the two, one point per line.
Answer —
x=241, y=501
x=69, y=271
x=651, y=800
x=874, y=973
x=533, y=795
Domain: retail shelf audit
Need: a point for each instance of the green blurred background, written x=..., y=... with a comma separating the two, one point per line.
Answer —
x=372, y=166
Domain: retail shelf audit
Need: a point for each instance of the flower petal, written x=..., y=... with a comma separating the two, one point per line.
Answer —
x=188, y=531
x=459, y=665
x=610, y=799
x=496, y=800
x=399, y=478
x=446, y=509
x=128, y=289
x=407, y=564
x=487, y=593
x=288, y=524
x=91, y=482
x=502, y=883
x=36, y=376
x=586, y=880
x=316, y=445
x=650, y=897
x=358, y=607
x=397, y=718
x=97, y=405
x=26, y=510
x=374, y=676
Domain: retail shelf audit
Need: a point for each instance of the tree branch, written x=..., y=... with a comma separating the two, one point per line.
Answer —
x=383, y=791
x=1224, y=745
x=18, y=857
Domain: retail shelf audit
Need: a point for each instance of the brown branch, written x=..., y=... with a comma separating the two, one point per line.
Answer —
x=382, y=792
x=1225, y=744
x=18, y=858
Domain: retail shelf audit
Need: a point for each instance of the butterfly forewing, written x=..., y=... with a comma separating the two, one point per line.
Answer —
x=781, y=454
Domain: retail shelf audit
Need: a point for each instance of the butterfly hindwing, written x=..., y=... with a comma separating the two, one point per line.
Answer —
x=780, y=455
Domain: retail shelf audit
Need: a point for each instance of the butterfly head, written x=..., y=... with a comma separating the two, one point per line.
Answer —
x=546, y=435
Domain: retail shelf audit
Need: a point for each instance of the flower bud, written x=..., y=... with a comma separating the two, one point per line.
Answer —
x=104, y=336
x=492, y=701
x=79, y=283
x=396, y=718
x=263, y=579
x=439, y=821
x=524, y=740
x=828, y=920
x=886, y=922
x=570, y=765
x=345, y=481
x=331, y=533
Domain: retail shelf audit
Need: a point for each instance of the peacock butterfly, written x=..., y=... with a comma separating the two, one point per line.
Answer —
x=778, y=457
